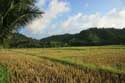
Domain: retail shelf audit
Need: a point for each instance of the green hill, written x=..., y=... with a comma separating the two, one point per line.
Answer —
x=92, y=36
x=21, y=41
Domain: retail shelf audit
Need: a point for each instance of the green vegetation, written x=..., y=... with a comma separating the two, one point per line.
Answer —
x=90, y=37
x=4, y=75
x=13, y=15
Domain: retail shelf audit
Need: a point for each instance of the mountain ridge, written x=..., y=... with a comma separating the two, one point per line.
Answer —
x=88, y=37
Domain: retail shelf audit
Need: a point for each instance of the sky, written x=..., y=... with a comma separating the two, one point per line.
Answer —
x=72, y=16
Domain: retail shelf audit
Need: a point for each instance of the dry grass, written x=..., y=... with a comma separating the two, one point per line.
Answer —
x=31, y=66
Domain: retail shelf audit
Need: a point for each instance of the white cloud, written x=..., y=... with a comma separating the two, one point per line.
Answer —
x=55, y=8
x=80, y=21
x=44, y=26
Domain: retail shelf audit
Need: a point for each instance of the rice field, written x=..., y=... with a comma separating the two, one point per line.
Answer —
x=97, y=64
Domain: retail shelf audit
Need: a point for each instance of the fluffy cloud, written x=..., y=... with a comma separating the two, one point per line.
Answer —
x=45, y=26
x=55, y=8
x=80, y=21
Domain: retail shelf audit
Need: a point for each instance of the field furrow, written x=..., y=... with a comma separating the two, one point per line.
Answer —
x=55, y=66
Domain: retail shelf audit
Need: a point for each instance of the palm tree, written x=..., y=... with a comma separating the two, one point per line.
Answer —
x=14, y=14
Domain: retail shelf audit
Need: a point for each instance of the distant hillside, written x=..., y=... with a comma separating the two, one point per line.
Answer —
x=21, y=41
x=92, y=36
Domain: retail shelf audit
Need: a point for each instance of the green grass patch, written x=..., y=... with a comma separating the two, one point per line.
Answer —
x=71, y=60
x=84, y=65
x=4, y=75
x=92, y=47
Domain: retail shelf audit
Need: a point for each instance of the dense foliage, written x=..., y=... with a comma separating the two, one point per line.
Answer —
x=92, y=36
x=15, y=14
x=21, y=41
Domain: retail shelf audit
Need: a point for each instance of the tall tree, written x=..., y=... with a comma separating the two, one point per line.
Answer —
x=14, y=14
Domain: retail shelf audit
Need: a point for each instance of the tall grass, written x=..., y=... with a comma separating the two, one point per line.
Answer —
x=64, y=66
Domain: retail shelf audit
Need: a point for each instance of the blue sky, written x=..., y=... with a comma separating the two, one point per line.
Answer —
x=72, y=16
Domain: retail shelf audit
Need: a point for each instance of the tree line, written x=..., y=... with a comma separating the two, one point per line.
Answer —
x=89, y=37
